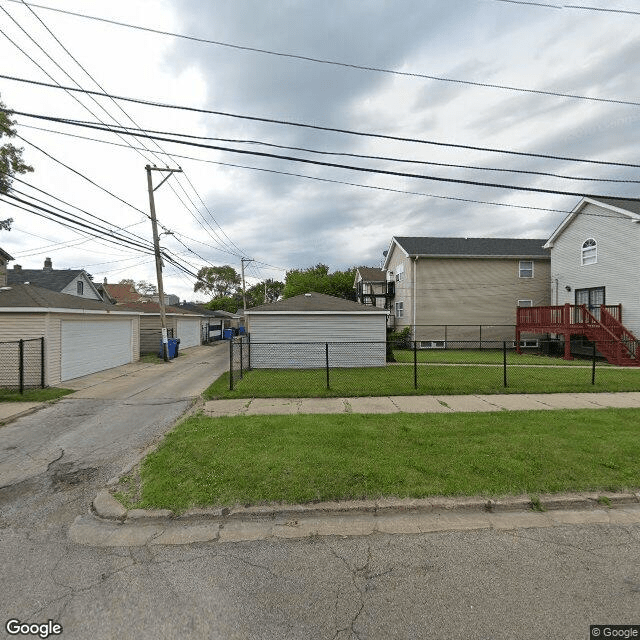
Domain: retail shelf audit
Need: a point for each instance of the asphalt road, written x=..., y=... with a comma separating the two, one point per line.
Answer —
x=524, y=583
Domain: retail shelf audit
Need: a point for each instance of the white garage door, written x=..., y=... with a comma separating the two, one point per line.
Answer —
x=94, y=345
x=188, y=332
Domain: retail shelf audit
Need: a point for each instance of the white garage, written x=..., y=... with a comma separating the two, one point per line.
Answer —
x=93, y=345
x=81, y=336
x=189, y=332
x=303, y=331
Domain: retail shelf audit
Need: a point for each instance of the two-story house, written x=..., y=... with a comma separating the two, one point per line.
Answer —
x=594, y=279
x=75, y=282
x=372, y=287
x=465, y=288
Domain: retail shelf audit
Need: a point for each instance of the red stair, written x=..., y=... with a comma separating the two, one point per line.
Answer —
x=613, y=340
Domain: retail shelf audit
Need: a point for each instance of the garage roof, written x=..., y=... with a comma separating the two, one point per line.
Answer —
x=315, y=303
x=32, y=298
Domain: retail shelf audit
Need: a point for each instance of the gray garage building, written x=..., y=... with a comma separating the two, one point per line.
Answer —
x=294, y=333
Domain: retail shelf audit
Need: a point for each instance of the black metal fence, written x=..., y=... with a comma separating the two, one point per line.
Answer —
x=22, y=364
x=408, y=366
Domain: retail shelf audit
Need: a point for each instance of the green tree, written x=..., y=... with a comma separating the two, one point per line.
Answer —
x=256, y=293
x=318, y=278
x=218, y=281
x=231, y=304
x=10, y=156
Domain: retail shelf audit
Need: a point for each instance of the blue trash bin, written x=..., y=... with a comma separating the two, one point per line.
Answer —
x=172, y=348
x=228, y=334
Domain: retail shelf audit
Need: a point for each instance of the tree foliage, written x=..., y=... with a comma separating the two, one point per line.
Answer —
x=318, y=278
x=10, y=156
x=218, y=281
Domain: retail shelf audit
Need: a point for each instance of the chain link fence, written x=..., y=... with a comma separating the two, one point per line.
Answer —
x=22, y=364
x=405, y=366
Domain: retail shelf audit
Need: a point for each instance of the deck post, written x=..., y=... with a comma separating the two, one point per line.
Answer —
x=567, y=346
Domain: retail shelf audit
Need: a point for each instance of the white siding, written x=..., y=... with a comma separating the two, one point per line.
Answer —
x=88, y=346
x=616, y=269
x=87, y=288
x=305, y=336
x=188, y=330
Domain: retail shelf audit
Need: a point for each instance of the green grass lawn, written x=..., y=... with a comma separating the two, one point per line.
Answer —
x=33, y=395
x=397, y=379
x=297, y=459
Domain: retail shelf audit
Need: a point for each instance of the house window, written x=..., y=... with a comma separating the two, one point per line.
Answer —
x=589, y=251
x=400, y=273
x=80, y=287
x=525, y=303
x=525, y=269
x=399, y=309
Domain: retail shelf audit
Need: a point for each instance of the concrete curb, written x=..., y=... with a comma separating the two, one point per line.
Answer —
x=106, y=507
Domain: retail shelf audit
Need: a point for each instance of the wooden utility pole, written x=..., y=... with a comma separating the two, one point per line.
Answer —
x=156, y=247
x=244, y=294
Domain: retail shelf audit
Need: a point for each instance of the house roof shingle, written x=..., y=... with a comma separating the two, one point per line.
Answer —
x=32, y=296
x=310, y=302
x=486, y=247
x=153, y=307
x=622, y=203
x=55, y=279
x=372, y=274
x=122, y=292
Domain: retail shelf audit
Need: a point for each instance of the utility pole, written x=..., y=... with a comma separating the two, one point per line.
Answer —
x=244, y=295
x=156, y=247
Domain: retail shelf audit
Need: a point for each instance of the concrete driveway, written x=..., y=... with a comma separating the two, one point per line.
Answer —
x=112, y=417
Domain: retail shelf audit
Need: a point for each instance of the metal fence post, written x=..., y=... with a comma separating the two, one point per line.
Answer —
x=415, y=364
x=241, y=363
x=504, y=361
x=42, y=362
x=480, y=336
x=231, y=364
x=593, y=365
x=248, y=352
x=326, y=355
x=21, y=364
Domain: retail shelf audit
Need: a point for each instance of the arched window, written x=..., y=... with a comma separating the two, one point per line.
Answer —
x=589, y=251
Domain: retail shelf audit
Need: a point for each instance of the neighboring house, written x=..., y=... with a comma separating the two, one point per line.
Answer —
x=4, y=259
x=181, y=324
x=372, y=287
x=594, y=262
x=169, y=298
x=446, y=288
x=293, y=333
x=122, y=292
x=74, y=282
x=213, y=322
x=81, y=336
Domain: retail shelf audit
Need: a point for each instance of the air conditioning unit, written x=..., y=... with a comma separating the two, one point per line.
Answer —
x=530, y=344
x=433, y=344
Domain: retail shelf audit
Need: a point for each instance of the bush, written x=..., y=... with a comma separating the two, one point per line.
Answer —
x=398, y=340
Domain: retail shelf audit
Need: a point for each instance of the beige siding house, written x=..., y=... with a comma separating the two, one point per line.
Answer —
x=372, y=287
x=81, y=336
x=294, y=333
x=446, y=288
x=594, y=258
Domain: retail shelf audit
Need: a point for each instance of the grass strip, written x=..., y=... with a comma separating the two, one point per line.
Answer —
x=398, y=379
x=33, y=395
x=307, y=458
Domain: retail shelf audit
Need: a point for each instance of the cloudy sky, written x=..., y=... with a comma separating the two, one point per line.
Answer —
x=227, y=205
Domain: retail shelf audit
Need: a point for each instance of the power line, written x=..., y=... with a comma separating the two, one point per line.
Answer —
x=348, y=65
x=303, y=125
x=571, y=6
x=308, y=177
x=335, y=165
x=363, y=156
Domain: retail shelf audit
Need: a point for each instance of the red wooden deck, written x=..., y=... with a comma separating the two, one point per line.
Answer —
x=613, y=340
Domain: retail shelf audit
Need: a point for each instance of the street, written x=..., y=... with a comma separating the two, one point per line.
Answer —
x=524, y=583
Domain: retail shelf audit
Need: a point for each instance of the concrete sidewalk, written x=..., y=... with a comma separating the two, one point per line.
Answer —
x=422, y=404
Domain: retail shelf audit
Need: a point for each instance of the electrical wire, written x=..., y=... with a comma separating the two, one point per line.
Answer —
x=303, y=125
x=347, y=65
x=336, y=165
x=308, y=177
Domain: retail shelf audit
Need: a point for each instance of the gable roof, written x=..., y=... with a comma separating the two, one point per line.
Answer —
x=55, y=279
x=211, y=313
x=5, y=255
x=122, y=292
x=315, y=303
x=423, y=247
x=371, y=274
x=625, y=206
x=28, y=296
